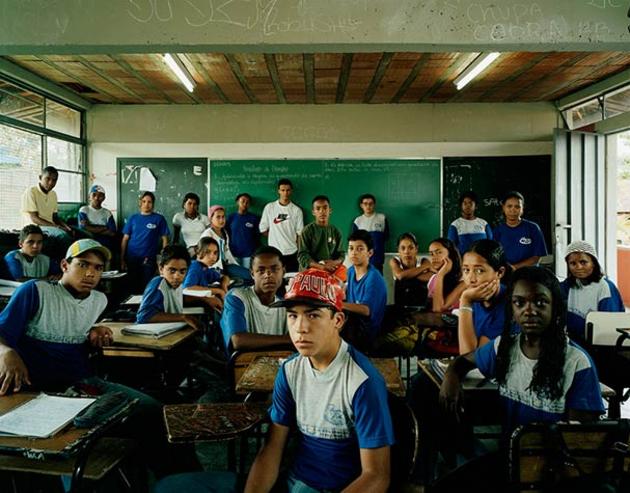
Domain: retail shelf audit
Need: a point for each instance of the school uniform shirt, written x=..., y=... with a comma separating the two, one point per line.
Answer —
x=244, y=233
x=370, y=290
x=520, y=242
x=34, y=200
x=244, y=313
x=600, y=296
x=319, y=243
x=159, y=297
x=464, y=232
x=89, y=216
x=144, y=233
x=48, y=327
x=225, y=251
x=191, y=229
x=284, y=223
x=580, y=386
x=199, y=274
x=489, y=321
x=377, y=226
x=337, y=412
x=39, y=266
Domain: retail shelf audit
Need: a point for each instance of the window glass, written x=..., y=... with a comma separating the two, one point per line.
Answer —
x=69, y=187
x=21, y=104
x=63, y=155
x=20, y=165
x=585, y=114
x=618, y=102
x=63, y=119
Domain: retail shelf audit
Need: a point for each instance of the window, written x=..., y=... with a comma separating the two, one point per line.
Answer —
x=35, y=132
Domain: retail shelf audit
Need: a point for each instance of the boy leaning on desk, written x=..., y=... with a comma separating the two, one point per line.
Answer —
x=43, y=335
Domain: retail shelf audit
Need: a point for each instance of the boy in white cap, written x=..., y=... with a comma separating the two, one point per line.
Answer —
x=96, y=219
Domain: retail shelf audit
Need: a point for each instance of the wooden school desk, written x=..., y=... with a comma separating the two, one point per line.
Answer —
x=261, y=374
x=77, y=452
x=161, y=350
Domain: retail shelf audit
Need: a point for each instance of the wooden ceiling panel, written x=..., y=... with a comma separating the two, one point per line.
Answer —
x=324, y=78
x=291, y=75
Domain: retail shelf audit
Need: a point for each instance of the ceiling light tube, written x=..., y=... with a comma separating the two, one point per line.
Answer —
x=481, y=63
x=176, y=65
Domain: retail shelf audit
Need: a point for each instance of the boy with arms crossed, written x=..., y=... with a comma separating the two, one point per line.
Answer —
x=333, y=394
x=374, y=223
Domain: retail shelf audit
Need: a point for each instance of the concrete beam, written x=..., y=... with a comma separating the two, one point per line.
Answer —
x=153, y=26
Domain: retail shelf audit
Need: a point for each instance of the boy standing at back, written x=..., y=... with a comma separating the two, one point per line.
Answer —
x=282, y=221
x=366, y=293
x=468, y=228
x=243, y=229
x=320, y=242
x=374, y=223
x=333, y=394
x=29, y=262
x=98, y=220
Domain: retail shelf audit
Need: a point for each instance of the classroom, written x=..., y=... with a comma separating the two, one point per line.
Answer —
x=415, y=104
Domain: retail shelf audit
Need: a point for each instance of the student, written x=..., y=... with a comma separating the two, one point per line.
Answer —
x=96, y=219
x=28, y=262
x=282, y=221
x=202, y=274
x=46, y=330
x=248, y=321
x=243, y=228
x=163, y=300
x=586, y=289
x=190, y=223
x=446, y=285
x=376, y=224
x=482, y=303
x=410, y=273
x=143, y=235
x=39, y=206
x=227, y=263
x=522, y=240
x=332, y=395
x=320, y=242
x=542, y=375
x=468, y=228
x=366, y=294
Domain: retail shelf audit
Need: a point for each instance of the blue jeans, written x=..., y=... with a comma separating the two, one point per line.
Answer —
x=235, y=271
x=198, y=482
x=56, y=241
x=245, y=262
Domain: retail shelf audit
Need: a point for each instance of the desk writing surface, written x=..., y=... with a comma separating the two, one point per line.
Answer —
x=211, y=421
x=163, y=344
x=260, y=375
x=60, y=443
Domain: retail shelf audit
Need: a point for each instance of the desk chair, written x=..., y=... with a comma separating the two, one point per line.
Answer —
x=610, y=352
x=541, y=455
x=404, y=452
x=240, y=360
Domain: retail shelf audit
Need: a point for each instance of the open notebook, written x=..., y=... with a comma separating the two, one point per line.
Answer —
x=42, y=416
x=153, y=330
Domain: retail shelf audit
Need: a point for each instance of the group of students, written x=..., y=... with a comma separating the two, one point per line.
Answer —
x=512, y=325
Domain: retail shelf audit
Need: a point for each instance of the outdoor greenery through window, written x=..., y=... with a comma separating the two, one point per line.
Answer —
x=35, y=132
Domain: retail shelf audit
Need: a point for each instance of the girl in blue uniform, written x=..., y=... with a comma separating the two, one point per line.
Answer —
x=586, y=289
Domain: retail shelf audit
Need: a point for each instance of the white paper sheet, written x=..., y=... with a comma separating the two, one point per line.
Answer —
x=147, y=180
x=42, y=416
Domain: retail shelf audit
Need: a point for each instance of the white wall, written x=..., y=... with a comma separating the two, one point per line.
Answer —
x=312, y=131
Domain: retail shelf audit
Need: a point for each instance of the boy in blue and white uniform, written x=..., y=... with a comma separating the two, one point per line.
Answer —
x=333, y=394
x=468, y=228
x=366, y=293
x=28, y=262
x=248, y=321
x=374, y=223
x=243, y=230
x=163, y=298
x=521, y=239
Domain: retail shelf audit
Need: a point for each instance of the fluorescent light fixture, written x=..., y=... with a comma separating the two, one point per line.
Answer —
x=475, y=68
x=176, y=65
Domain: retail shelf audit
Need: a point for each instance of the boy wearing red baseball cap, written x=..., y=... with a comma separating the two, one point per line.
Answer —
x=334, y=395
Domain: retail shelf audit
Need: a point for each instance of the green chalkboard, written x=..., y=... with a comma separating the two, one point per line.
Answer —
x=490, y=178
x=174, y=178
x=406, y=190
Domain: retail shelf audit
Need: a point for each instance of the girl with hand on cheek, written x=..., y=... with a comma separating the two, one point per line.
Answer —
x=446, y=285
